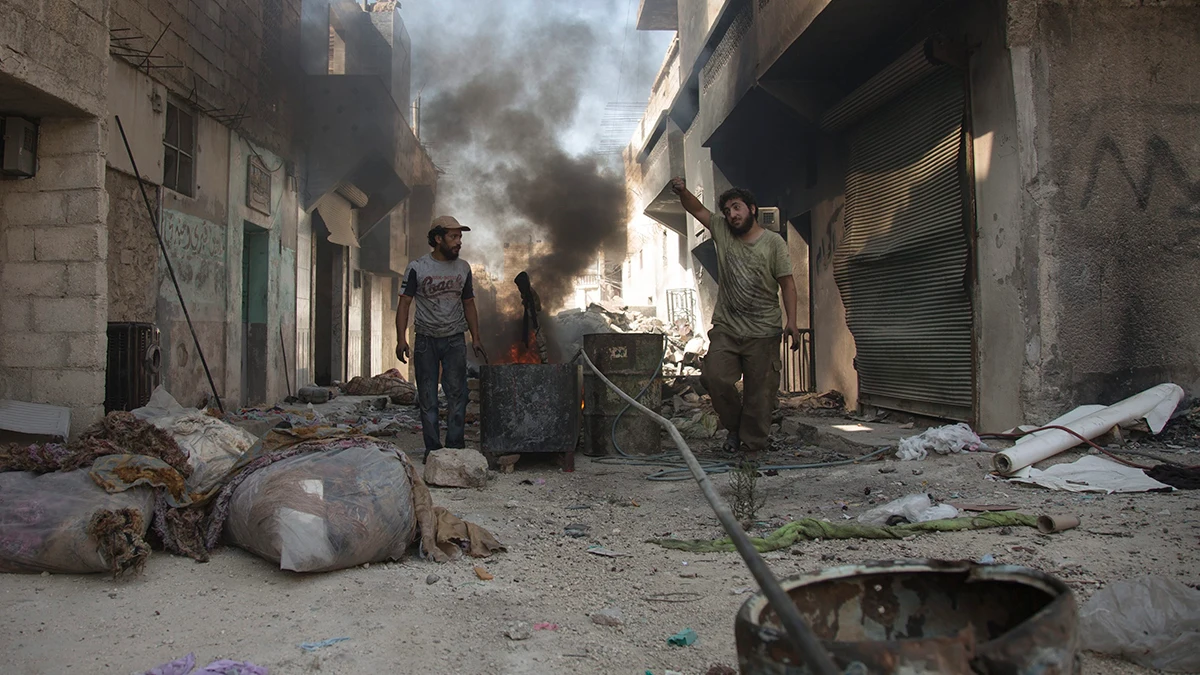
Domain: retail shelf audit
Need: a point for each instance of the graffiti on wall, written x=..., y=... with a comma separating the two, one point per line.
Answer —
x=197, y=250
x=1160, y=165
x=829, y=238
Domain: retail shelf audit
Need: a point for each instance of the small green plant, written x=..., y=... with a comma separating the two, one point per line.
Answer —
x=743, y=482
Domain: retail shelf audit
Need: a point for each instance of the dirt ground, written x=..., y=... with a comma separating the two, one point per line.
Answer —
x=240, y=607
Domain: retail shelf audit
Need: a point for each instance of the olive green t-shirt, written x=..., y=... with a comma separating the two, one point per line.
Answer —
x=748, y=290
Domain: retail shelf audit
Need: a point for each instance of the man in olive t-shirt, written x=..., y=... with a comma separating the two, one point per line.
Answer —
x=754, y=267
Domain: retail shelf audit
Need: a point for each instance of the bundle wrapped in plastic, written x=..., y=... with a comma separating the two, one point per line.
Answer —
x=326, y=510
x=64, y=523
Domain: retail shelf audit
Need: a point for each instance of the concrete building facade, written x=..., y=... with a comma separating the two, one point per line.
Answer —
x=994, y=202
x=248, y=122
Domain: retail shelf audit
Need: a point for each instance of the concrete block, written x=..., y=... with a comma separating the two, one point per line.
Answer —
x=74, y=388
x=87, y=280
x=87, y=351
x=36, y=279
x=16, y=384
x=61, y=136
x=33, y=350
x=76, y=244
x=93, y=8
x=18, y=243
x=34, y=208
x=456, y=467
x=69, y=315
x=71, y=172
x=89, y=206
x=16, y=315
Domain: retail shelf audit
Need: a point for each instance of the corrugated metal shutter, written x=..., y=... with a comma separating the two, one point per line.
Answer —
x=902, y=269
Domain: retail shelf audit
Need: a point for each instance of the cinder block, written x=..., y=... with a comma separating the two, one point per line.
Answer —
x=16, y=384
x=33, y=350
x=69, y=315
x=34, y=208
x=76, y=244
x=71, y=172
x=16, y=315
x=18, y=243
x=63, y=136
x=87, y=206
x=87, y=280
x=88, y=351
x=38, y=279
x=74, y=388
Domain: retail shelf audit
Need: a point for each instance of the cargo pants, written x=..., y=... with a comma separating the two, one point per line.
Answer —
x=756, y=362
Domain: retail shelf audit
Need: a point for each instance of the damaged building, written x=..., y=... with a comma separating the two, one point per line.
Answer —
x=990, y=206
x=276, y=148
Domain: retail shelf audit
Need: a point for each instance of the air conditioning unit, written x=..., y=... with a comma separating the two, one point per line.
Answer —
x=134, y=362
x=18, y=149
x=768, y=217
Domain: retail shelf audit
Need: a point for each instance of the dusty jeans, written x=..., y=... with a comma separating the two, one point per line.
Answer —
x=449, y=355
x=756, y=362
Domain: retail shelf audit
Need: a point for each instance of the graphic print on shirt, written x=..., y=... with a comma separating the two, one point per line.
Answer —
x=439, y=288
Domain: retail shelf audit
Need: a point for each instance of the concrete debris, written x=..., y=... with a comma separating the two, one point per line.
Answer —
x=456, y=467
x=519, y=631
x=432, y=579
x=608, y=617
x=314, y=394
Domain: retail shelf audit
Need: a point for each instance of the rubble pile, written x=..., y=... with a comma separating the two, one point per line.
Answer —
x=685, y=349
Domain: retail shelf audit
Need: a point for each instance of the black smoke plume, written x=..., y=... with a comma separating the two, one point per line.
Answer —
x=496, y=130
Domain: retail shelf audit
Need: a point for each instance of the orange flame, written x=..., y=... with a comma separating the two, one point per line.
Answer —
x=521, y=352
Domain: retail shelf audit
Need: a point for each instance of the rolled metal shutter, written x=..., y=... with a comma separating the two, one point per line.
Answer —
x=902, y=267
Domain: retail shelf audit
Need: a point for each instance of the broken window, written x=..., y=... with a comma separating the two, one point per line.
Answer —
x=179, y=151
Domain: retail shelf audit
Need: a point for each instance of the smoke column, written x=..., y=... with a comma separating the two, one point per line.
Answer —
x=505, y=84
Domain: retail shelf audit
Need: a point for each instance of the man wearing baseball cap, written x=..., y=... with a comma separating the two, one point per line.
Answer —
x=441, y=284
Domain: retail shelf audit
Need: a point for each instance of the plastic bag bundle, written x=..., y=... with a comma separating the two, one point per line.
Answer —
x=1152, y=621
x=918, y=508
x=942, y=440
x=326, y=510
x=65, y=524
x=212, y=445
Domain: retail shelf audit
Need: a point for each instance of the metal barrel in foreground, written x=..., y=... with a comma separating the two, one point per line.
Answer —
x=526, y=408
x=919, y=617
x=629, y=360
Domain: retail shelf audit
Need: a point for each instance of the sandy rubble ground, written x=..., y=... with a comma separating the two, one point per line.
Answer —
x=240, y=607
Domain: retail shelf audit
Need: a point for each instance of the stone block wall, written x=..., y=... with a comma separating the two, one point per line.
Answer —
x=53, y=279
x=241, y=56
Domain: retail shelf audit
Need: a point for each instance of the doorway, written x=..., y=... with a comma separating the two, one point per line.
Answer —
x=255, y=279
x=328, y=295
x=799, y=367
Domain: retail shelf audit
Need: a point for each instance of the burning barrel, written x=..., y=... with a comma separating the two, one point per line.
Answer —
x=629, y=360
x=529, y=407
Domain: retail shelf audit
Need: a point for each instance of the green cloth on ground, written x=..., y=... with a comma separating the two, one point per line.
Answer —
x=807, y=529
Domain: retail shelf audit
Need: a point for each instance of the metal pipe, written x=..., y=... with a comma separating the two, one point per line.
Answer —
x=170, y=269
x=805, y=642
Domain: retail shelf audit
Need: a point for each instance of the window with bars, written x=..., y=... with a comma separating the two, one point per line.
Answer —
x=179, y=151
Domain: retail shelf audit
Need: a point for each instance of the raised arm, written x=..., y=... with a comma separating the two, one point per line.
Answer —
x=690, y=203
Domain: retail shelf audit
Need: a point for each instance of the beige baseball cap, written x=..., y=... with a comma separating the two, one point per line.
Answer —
x=447, y=223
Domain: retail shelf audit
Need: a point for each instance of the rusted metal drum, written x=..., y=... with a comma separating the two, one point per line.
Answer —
x=920, y=616
x=529, y=408
x=629, y=360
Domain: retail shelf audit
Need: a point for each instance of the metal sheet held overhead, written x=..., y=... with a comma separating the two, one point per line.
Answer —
x=902, y=267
